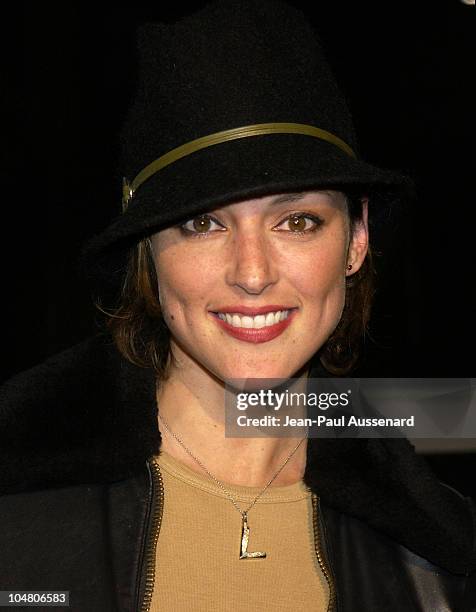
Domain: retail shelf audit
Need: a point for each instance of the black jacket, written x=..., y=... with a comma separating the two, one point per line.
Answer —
x=80, y=501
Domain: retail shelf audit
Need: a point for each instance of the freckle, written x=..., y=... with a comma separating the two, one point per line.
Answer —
x=172, y=317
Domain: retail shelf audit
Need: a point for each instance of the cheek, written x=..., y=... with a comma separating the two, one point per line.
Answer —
x=321, y=282
x=182, y=283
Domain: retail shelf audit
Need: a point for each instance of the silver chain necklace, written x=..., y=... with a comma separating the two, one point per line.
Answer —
x=245, y=530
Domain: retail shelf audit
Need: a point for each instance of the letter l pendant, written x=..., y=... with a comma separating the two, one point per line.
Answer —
x=245, y=536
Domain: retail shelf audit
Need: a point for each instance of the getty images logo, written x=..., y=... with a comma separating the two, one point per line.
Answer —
x=276, y=401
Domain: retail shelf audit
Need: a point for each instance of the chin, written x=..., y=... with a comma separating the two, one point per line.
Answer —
x=254, y=375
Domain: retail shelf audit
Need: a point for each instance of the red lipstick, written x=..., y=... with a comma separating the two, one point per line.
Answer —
x=264, y=334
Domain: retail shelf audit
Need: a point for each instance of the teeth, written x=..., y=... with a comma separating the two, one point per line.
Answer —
x=257, y=322
x=246, y=321
x=271, y=318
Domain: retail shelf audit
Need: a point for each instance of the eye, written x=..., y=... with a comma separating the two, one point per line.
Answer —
x=302, y=223
x=199, y=226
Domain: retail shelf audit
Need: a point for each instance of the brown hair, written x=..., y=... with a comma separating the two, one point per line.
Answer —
x=142, y=336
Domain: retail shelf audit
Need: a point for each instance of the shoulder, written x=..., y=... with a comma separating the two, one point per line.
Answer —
x=69, y=419
x=444, y=581
x=391, y=489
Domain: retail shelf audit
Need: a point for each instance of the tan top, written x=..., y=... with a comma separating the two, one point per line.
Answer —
x=198, y=567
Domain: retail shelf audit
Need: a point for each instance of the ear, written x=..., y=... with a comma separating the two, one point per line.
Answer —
x=359, y=242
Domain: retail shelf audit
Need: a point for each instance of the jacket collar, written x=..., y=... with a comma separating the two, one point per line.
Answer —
x=87, y=415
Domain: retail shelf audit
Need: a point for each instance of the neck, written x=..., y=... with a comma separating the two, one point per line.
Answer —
x=192, y=404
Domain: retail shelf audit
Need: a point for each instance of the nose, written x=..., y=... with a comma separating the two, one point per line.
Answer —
x=251, y=266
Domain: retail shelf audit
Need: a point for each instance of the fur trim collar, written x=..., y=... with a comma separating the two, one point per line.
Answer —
x=87, y=415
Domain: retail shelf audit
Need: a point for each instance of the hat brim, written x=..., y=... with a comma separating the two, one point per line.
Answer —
x=227, y=173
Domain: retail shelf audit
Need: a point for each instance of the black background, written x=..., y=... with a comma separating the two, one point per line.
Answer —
x=406, y=70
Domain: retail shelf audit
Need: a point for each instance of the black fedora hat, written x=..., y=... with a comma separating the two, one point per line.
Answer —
x=233, y=102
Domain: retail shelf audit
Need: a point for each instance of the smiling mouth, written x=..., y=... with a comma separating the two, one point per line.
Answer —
x=254, y=322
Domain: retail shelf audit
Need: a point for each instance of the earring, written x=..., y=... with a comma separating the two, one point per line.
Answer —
x=349, y=267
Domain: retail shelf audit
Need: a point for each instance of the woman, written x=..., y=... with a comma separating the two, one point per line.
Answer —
x=242, y=253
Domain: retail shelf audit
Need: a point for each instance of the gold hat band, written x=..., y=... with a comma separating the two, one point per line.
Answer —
x=207, y=141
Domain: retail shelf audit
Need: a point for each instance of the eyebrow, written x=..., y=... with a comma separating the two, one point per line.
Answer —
x=288, y=197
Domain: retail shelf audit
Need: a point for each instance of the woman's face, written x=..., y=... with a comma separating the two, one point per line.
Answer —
x=285, y=252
